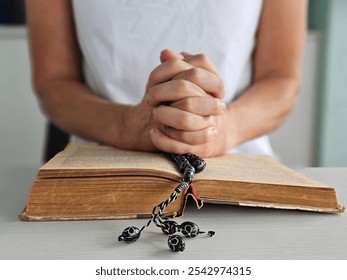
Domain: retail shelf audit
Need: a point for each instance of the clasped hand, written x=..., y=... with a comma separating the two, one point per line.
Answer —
x=182, y=109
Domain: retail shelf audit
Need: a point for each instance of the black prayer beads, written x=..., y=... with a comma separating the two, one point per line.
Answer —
x=188, y=229
x=188, y=164
x=130, y=235
x=176, y=243
x=169, y=227
x=198, y=163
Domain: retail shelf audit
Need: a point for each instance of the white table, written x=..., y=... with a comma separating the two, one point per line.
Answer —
x=241, y=232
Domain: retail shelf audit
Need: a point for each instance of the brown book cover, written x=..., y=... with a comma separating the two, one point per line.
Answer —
x=100, y=182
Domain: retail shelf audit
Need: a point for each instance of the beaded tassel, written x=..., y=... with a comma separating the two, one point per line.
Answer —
x=187, y=164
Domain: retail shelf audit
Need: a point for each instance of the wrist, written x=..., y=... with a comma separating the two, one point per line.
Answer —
x=119, y=135
x=131, y=128
x=233, y=122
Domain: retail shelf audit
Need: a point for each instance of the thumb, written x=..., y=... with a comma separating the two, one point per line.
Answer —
x=167, y=54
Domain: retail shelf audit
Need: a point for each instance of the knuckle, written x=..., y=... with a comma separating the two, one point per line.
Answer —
x=203, y=58
x=194, y=73
x=187, y=104
x=173, y=62
x=185, y=121
x=182, y=86
x=151, y=96
x=152, y=77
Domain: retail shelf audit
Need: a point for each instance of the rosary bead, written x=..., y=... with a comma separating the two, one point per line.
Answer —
x=176, y=243
x=188, y=174
x=189, y=229
x=169, y=227
x=130, y=235
x=180, y=161
x=198, y=163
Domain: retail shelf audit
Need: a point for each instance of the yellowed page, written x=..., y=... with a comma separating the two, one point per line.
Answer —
x=253, y=168
x=95, y=157
x=231, y=167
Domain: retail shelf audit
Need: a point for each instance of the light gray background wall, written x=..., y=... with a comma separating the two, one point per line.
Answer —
x=21, y=123
x=295, y=141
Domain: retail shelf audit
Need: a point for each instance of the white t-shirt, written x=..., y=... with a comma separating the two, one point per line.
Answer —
x=121, y=41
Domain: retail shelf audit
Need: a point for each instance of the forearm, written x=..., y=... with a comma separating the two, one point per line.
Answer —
x=74, y=108
x=277, y=71
x=58, y=77
x=261, y=109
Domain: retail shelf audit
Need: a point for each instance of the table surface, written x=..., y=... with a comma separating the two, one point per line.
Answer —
x=241, y=232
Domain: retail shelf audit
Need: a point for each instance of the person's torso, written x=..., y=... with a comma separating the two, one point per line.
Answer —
x=121, y=41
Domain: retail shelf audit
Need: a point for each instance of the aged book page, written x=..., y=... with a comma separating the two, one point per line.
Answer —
x=253, y=169
x=104, y=160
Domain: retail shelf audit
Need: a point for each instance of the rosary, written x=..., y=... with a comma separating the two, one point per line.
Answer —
x=188, y=164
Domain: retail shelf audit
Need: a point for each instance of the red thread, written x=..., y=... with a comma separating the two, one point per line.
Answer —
x=194, y=191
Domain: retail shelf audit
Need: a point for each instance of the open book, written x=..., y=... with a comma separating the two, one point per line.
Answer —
x=100, y=182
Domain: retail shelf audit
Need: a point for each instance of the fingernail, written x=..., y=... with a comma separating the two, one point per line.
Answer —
x=223, y=106
x=168, y=54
